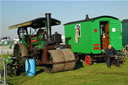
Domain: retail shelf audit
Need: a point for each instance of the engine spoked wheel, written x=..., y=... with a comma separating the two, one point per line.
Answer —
x=19, y=52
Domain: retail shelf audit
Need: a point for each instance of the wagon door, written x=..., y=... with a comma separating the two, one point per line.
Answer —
x=115, y=35
x=104, y=34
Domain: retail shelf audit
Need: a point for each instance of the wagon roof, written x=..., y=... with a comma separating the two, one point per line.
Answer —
x=90, y=19
x=125, y=20
x=36, y=23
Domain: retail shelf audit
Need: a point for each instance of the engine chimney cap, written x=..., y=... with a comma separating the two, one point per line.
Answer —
x=47, y=13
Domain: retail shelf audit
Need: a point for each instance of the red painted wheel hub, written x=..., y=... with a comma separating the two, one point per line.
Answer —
x=87, y=60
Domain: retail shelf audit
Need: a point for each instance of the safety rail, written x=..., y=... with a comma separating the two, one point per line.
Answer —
x=3, y=72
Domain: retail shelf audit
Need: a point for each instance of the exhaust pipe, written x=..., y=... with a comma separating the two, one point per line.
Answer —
x=48, y=23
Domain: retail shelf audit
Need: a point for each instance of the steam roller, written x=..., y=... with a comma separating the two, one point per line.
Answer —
x=62, y=60
x=38, y=42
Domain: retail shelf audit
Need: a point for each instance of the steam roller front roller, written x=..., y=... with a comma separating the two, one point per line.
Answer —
x=62, y=59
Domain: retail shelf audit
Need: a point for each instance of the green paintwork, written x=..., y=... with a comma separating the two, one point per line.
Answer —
x=39, y=43
x=23, y=41
x=125, y=32
x=9, y=60
x=10, y=45
x=89, y=37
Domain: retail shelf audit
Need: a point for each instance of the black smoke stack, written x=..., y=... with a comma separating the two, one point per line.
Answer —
x=87, y=17
x=48, y=23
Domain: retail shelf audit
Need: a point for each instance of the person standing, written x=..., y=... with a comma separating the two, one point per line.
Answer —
x=111, y=52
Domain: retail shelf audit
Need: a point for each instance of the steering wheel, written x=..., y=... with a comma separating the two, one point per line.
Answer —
x=43, y=33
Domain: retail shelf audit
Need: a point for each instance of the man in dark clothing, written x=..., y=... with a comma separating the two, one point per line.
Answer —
x=111, y=53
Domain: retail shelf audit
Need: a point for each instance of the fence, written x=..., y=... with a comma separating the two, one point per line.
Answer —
x=3, y=72
x=5, y=50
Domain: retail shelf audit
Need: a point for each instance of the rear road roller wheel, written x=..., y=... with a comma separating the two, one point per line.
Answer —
x=60, y=55
x=56, y=56
x=69, y=55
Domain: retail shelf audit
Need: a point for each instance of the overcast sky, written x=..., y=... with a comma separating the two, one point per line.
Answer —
x=15, y=12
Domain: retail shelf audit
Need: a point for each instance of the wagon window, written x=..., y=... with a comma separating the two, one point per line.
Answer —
x=78, y=29
x=77, y=32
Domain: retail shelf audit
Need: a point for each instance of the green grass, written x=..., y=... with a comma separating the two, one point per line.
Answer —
x=96, y=74
x=5, y=56
x=1, y=62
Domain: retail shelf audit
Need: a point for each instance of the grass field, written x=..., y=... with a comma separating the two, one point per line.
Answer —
x=96, y=74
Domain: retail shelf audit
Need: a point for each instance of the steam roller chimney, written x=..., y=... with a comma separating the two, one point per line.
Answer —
x=48, y=23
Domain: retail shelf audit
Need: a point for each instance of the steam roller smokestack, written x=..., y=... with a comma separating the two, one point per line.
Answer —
x=48, y=23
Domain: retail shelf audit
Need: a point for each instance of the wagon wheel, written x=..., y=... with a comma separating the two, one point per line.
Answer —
x=19, y=52
x=88, y=60
x=126, y=51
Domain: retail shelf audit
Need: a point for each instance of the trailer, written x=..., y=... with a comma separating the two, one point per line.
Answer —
x=91, y=36
x=125, y=35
